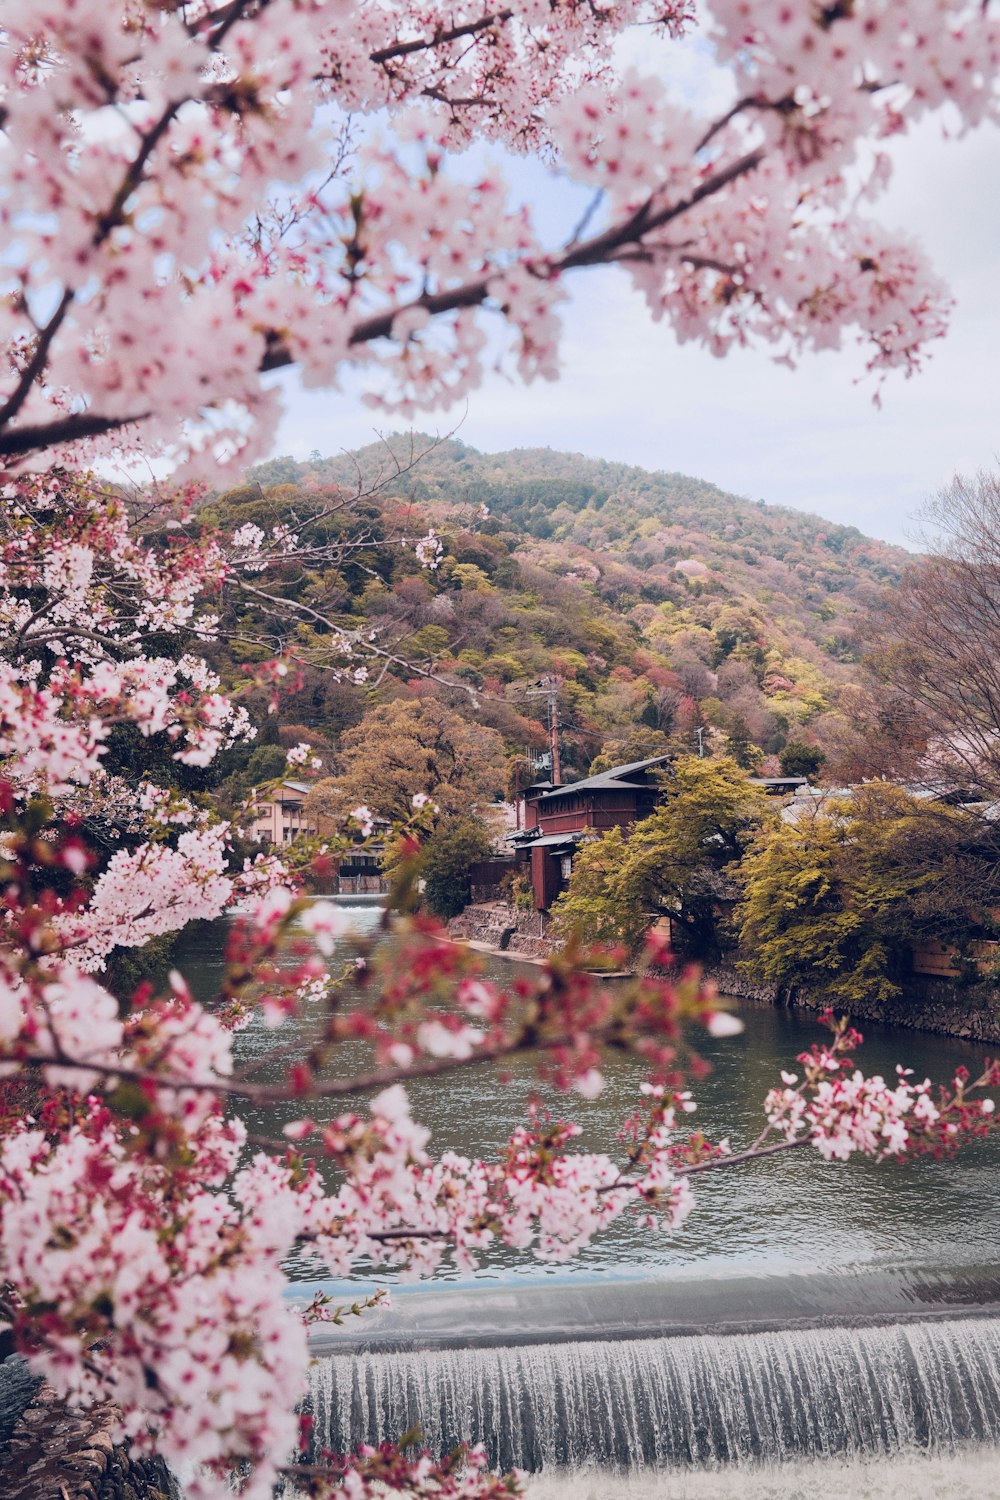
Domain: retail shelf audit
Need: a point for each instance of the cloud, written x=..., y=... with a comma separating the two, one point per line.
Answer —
x=809, y=438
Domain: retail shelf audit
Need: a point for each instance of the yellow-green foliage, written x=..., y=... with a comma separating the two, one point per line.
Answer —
x=430, y=640
x=833, y=902
x=808, y=695
x=467, y=576
x=673, y=863
x=597, y=906
x=804, y=920
x=507, y=668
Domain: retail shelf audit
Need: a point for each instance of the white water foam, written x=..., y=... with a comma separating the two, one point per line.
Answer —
x=694, y=1402
x=973, y=1475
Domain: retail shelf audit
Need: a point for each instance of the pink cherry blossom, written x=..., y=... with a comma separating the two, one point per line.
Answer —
x=722, y=1023
x=211, y=206
x=176, y=235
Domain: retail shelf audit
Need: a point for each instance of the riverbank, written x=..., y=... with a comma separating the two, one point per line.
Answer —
x=499, y=927
x=50, y=1450
x=969, y=1011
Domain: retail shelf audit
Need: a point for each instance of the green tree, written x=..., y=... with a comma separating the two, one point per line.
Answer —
x=800, y=759
x=834, y=901
x=677, y=863
x=595, y=905
x=446, y=864
x=265, y=763
x=741, y=746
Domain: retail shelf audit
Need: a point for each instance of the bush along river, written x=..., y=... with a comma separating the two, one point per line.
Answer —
x=813, y=1329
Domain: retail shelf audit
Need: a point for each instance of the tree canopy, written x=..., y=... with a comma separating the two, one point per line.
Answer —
x=197, y=199
x=446, y=861
x=404, y=748
x=836, y=899
x=675, y=863
x=937, y=639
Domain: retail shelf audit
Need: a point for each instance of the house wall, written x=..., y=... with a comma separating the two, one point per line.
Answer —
x=530, y=806
x=576, y=813
x=485, y=876
x=942, y=962
x=281, y=818
x=546, y=879
x=571, y=810
x=597, y=810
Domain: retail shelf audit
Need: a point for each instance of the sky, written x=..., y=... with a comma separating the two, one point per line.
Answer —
x=812, y=437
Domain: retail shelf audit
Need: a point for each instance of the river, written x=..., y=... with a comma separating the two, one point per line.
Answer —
x=806, y=1310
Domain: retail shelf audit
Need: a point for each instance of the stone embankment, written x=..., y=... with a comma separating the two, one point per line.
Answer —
x=49, y=1452
x=503, y=928
x=970, y=1011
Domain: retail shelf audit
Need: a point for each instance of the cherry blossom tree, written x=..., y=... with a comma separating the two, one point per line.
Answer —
x=190, y=201
x=197, y=195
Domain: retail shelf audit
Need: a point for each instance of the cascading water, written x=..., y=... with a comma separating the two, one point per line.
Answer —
x=701, y=1400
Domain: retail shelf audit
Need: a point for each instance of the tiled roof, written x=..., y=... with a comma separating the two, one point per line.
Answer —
x=524, y=840
x=613, y=777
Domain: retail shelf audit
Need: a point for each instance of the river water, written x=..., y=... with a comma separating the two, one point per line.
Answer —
x=813, y=1327
x=786, y=1214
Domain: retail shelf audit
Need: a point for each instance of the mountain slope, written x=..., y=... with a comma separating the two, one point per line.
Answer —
x=663, y=603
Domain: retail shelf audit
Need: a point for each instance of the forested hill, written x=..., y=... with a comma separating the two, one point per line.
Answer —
x=642, y=517
x=661, y=600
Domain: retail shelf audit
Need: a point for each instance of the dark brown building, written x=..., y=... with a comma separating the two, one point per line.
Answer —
x=552, y=820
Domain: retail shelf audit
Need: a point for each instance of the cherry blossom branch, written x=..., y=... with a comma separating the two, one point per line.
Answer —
x=38, y=436
x=441, y=38
x=738, y=1158
x=366, y=646
x=341, y=1088
x=36, y=364
x=35, y=367
x=601, y=249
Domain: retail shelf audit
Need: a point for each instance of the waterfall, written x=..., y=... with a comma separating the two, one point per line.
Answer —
x=685, y=1400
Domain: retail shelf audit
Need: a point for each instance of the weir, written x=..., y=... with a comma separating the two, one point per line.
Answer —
x=706, y=1399
x=917, y=1368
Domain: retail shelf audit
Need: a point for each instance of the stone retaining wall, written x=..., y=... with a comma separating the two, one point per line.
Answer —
x=503, y=926
x=50, y=1452
x=970, y=1011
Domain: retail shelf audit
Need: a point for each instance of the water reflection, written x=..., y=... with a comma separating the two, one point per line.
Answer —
x=791, y=1213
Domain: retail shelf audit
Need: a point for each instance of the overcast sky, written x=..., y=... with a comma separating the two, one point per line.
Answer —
x=809, y=438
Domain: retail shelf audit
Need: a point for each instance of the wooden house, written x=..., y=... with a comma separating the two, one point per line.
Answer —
x=552, y=820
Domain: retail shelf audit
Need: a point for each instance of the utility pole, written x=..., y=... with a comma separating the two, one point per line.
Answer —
x=554, y=733
x=701, y=743
x=548, y=688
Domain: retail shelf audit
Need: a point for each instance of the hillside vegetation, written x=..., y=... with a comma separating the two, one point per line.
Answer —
x=665, y=605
